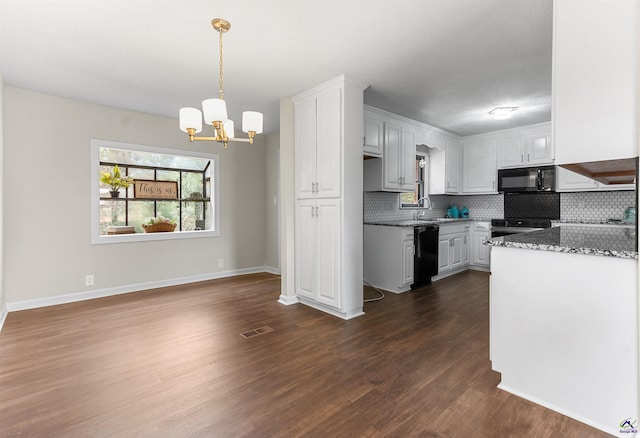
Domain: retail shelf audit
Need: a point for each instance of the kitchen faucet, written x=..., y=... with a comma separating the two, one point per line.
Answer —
x=425, y=198
x=420, y=213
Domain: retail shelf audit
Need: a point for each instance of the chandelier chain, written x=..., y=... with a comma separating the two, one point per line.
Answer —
x=221, y=71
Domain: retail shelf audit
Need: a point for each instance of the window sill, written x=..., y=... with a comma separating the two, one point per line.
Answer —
x=145, y=237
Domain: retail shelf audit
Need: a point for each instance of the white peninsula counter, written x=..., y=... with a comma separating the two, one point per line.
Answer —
x=564, y=321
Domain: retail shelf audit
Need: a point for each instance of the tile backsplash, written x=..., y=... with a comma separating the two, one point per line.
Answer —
x=382, y=206
x=579, y=207
x=595, y=206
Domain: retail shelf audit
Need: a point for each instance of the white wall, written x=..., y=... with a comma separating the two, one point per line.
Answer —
x=287, y=204
x=47, y=166
x=3, y=308
x=272, y=157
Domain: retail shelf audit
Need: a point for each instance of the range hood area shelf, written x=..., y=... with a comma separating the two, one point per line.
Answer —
x=621, y=171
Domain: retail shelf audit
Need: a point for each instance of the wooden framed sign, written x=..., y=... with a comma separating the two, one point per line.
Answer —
x=150, y=189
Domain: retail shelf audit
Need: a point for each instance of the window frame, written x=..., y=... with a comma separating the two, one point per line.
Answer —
x=419, y=183
x=214, y=211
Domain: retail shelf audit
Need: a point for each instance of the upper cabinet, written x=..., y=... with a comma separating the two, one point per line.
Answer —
x=479, y=171
x=524, y=147
x=595, y=80
x=394, y=170
x=568, y=181
x=444, y=167
x=392, y=139
x=373, y=134
x=318, y=140
x=398, y=157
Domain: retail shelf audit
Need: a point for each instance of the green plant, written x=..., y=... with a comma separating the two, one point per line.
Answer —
x=160, y=220
x=115, y=180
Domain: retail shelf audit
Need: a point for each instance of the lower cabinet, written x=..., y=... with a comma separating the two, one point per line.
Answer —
x=453, y=247
x=481, y=253
x=318, y=251
x=388, y=257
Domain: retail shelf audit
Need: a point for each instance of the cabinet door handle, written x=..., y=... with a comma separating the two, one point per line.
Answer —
x=528, y=157
x=465, y=240
x=522, y=158
x=317, y=187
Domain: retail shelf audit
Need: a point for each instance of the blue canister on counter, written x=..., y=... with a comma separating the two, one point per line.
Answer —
x=453, y=211
x=464, y=212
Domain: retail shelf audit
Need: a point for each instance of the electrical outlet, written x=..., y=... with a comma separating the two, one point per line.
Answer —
x=275, y=200
x=220, y=263
x=88, y=280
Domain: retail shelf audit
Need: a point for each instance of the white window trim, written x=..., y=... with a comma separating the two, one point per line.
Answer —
x=96, y=238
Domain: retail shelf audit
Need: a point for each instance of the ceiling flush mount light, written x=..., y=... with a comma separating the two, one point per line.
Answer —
x=215, y=110
x=502, y=112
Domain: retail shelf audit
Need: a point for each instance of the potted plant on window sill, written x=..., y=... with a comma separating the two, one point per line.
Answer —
x=115, y=181
x=159, y=224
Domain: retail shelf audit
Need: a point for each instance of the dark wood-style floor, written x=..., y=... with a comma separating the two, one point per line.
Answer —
x=171, y=363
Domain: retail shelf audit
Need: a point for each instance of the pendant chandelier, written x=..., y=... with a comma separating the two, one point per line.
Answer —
x=215, y=110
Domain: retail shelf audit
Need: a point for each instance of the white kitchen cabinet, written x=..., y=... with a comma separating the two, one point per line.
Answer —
x=568, y=181
x=539, y=149
x=511, y=152
x=525, y=147
x=453, y=248
x=328, y=207
x=444, y=168
x=389, y=257
x=318, y=250
x=595, y=80
x=373, y=134
x=408, y=253
x=479, y=165
x=453, y=166
x=318, y=125
x=399, y=157
x=395, y=171
x=481, y=253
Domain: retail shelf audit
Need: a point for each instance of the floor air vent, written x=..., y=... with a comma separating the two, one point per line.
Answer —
x=256, y=332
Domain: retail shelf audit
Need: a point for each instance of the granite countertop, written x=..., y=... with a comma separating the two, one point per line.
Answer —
x=608, y=223
x=418, y=222
x=613, y=241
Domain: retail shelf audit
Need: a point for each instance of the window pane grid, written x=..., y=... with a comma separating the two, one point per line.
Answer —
x=188, y=211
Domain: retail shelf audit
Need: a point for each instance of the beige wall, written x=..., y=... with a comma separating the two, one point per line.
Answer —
x=47, y=166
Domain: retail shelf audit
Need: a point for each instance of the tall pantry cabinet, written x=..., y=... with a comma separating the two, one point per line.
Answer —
x=328, y=206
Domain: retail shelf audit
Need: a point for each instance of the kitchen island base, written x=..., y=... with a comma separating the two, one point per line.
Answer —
x=564, y=332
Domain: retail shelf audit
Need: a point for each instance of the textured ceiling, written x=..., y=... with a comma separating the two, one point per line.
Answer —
x=444, y=62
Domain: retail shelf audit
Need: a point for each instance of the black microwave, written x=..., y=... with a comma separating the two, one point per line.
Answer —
x=527, y=179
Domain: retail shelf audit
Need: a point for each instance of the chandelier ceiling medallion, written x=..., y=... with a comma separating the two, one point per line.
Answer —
x=215, y=110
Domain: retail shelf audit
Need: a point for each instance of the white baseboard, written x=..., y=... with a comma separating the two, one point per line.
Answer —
x=331, y=311
x=479, y=268
x=107, y=292
x=3, y=316
x=272, y=270
x=557, y=409
x=287, y=301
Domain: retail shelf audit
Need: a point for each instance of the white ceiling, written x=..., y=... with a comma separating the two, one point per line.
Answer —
x=444, y=62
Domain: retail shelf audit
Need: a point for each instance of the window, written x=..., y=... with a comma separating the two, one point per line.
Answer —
x=415, y=199
x=187, y=185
